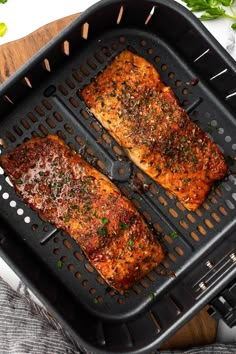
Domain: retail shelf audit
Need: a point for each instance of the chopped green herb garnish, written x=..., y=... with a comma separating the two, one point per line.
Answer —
x=103, y=231
x=130, y=243
x=123, y=226
x=152, y=296
x=3, y=29
x=98, y=98
x=194, y=159
x=174, y=235
x=183, y=139
x=105, y=221
x=59, y=264
x=18, y=181
x=67, y=217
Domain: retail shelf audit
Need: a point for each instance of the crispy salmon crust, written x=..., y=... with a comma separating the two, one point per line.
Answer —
x=61, y=186
x=143, y=115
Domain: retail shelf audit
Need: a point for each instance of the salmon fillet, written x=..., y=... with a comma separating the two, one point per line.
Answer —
x=143, y=115
x=68, y=192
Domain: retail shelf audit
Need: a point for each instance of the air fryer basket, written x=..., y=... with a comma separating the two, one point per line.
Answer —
x=44, y=97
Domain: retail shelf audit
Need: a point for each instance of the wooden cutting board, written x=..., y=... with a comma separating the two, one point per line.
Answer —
x=201, y=330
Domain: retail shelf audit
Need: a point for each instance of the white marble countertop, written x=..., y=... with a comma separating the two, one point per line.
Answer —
x=34, y=14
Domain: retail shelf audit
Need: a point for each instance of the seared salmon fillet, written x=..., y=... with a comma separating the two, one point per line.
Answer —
x=61, y=186
x=143, y=115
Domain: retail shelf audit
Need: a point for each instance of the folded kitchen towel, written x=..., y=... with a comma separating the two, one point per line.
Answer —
x=26, y=327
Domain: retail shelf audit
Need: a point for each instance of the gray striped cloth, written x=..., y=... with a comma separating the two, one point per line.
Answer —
x=26, y=328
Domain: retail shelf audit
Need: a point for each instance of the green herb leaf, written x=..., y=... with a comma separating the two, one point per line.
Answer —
x=123, y=226
x=130, y=243
x=3, y=1
x=227, y=2
x=103, y=231
x=67, y=218
x=18, y=181
x=233, y=26
x=3, y=29
x=105, y=221
x=183, y=139
x=59, y=264
x=152, y=296
x=213, y=13
x=174, y=235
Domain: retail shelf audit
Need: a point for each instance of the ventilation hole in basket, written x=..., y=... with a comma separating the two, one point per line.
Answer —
x=168, y=239
x=165, y=264
x=69, y=129
x=234, y=147
x=228, y=139
x=46, y=64
x=143, y=43
x=136, y=203
x=173, y=212
x=0, y=187
x=144, y=283
x=32, y=117
x=89, y=268
x=183, y=224
x=66, y=47
x=56, y=251
x=67, y=244
x=191, y=218
x=100, y=280
x=34, y=227
x=212, y=199
x=61, y=135
x=234, y=196
x=78, y=275
x=84, y=114
x=72, y=146
x=46, y=228
x=50, y=123
x=169, y=195
x=99, y=58
x=27, y=219
x=125, y=191
x=194, y=236
x=98, y=300
x=141, y=177
x=121, y=171
x=180, y=206
x=136, y=289
x=90, y=152
x=92, y=291
x=25, y=123
x=6, y=196
x=157, y=227
x=73, y=102
x=79, y=140
x=76, y=76
x=201, y=230
x=185, y=103
x=162, y=201
x=91, y=64
x=226, y=186
x=179, y=251
x=114, y=46
x=84, y=70
x=205, y=206
x=172, y=257
x=106, y=138
x=10, y=137
x=57, y=116
x=117, y=150
x=43, y=129
x=63, y=90
x=215, y=217
x=171, y=75
x=229, y=204
x=185, y=91
x=178, y=83
x=106, y=52
x=26, y=81
x=150, y=277
x=35, y=134
x=198, y=212
x=164, y=67
x=12, y=203
x=39, y=111
x=101, y=165
x=208, y=223
x=46, y=104
x=8, y=99
x=1, y=171
x=71, y=267
x=78, y=256
x=85, y=30
x=152, y=189
x=147, y=215
x=150, y=51
x=85, y=282
x=7, y=179
x=122, y=39
x=120, y=14
x=70, y=84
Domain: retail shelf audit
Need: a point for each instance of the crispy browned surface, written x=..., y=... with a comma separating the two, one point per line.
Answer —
x=68, y=192
x=143, y=115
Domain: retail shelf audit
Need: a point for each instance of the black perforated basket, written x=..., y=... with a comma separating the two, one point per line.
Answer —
x=44, y=97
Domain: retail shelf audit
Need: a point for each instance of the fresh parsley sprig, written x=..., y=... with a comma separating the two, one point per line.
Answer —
x=213, y=9
x=3, y=26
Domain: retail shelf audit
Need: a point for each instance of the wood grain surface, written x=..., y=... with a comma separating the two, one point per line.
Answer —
x=201, y=330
